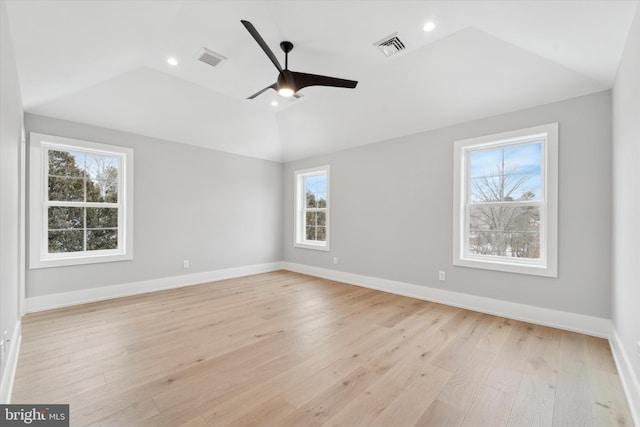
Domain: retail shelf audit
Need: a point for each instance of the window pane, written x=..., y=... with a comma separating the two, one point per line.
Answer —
x=321, y=234
x=322, y=218
x=310, y=232
x=102, y=240
x=66, y=241
x=523, y=245
x=66, y=189
x=65, y=218
x=322, y=200
x=504, y=218
x=506, y=188
x=102, y=182
x=321, y=184
x=311, y=218
x=506, y=174
x=515, y=245
x=102, y=217
x=484, y=243
x=311, y=200
x=524, y=158
x=66, y=163
x=505, y=231
x=311, y=184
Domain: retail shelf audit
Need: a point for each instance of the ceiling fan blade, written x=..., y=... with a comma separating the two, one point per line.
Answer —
x=303, y=80
x=258, y=38
x=273, y=86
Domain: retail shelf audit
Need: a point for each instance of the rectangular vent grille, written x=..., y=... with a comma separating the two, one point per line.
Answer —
x=209, y=57
x=390, y=45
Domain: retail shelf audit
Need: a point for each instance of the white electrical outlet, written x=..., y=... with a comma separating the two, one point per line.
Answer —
x=442, y=276
x=335, y=259
x=185, y=263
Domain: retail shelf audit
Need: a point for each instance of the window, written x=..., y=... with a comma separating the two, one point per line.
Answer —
x=312, y=208
x=505, y=201
x=81, y=202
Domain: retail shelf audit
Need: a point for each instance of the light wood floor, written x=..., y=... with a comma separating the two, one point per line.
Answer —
x=284, y=349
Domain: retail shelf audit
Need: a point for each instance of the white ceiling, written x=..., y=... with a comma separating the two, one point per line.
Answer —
x=104, y=63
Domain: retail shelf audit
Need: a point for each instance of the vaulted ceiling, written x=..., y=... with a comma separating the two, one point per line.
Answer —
x=105, y=63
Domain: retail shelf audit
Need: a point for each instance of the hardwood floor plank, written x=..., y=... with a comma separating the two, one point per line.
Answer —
x=611, y=408
x=268, y=413
x=282, y=348
x=128, y=416
x=442, y=415
x=420, y=389
x=461, y=390
x=495, y=337
x=599, y=355
x=574, y=400
x=414, y=374
x=494, y=399
x=466, y=330
x=318, y=410
x=534, y=401
x=194, y=422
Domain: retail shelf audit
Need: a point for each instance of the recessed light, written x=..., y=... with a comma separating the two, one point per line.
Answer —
x=172, y=61
x=429, y=26
x=274, y=103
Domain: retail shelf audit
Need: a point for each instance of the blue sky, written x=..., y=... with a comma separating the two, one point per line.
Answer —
x=316, y=184
x=523, y=160
x=91, y=163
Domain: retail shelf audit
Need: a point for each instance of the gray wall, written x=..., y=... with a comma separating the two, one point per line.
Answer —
x=391, y=210
x=216, y=209
x=10, y=139
x=626, y=201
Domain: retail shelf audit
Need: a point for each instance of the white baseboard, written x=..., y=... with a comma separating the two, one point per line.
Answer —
x=628, y=377
x=9, y=374
x=65, y=299
x=574, y=322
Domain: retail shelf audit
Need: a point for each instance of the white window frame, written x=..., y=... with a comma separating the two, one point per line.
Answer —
x=547, y=265
x=300, y=240
x=39, y=256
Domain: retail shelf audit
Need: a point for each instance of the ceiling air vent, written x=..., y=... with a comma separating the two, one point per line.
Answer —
x=209, y=57
x=390, y=45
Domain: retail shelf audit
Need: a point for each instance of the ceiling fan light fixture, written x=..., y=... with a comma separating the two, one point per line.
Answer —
x=285, y=84
x=286, y=92
x=289, y=82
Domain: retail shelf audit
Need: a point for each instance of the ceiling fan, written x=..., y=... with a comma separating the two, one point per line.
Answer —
x=289, y=82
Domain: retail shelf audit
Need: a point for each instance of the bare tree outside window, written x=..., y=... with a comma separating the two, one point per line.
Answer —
x=503, y=208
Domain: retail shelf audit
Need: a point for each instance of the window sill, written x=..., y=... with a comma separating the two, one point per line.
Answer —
x=314, y=246
x=64, y=261
x=509, y=267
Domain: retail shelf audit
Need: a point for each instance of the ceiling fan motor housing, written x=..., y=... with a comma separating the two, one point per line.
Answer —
x=285, y=80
